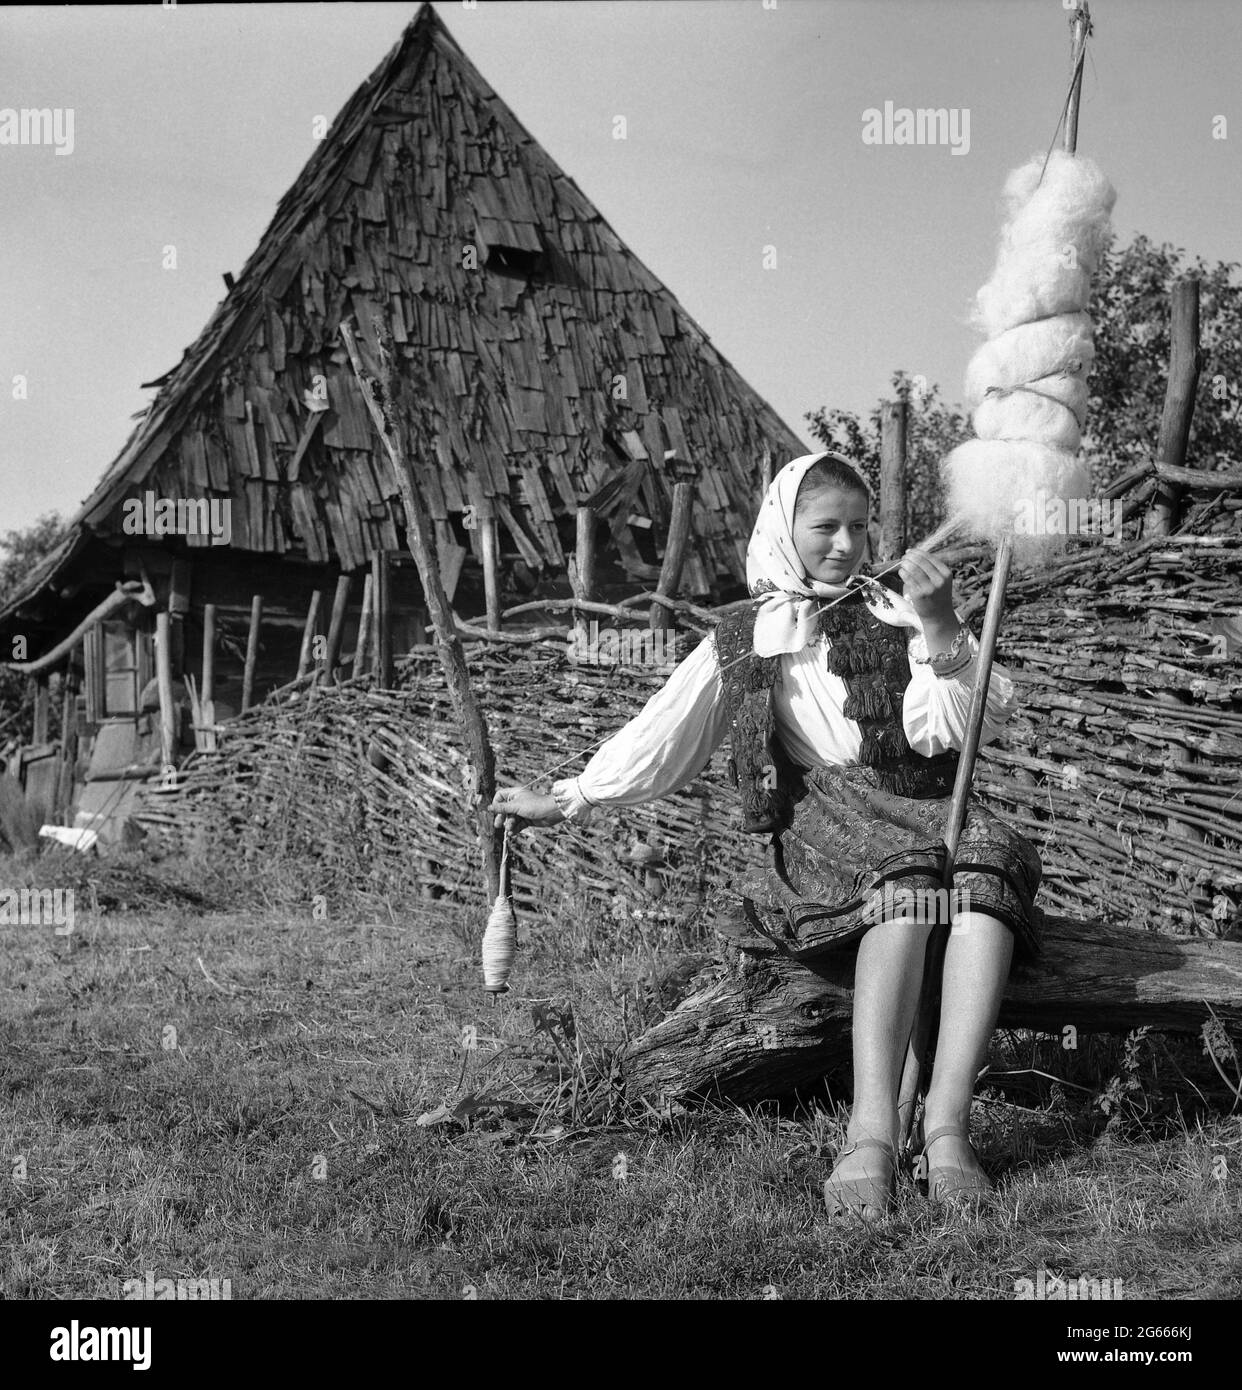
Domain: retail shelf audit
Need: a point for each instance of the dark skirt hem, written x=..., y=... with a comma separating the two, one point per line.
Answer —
x=811, y=895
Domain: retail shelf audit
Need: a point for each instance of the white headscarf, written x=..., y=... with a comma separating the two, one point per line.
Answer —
x=787, y=617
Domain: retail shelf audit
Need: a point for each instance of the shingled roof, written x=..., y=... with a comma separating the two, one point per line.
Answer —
x=513, y=361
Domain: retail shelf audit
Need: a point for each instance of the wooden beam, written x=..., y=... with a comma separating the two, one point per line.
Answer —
x=133, y=592
x=775, y=1024
x=252, y=651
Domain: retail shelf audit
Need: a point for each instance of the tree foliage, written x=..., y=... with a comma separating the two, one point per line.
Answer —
x=20, y=551
x=1131, y=311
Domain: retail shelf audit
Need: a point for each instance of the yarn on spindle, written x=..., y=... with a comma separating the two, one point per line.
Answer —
x=499, y=944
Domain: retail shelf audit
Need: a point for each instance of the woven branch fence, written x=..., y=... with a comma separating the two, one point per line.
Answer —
x=370, y=789
x=1123, y=766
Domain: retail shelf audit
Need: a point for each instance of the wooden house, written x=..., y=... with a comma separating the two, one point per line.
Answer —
x=549, y=367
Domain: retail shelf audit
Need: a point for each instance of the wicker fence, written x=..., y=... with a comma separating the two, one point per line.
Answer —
x=1123, y=766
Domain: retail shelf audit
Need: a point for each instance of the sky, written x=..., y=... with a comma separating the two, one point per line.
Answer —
x=816, y=262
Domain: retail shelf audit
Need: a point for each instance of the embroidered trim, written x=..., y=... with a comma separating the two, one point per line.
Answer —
x=941, y=660
x=759, y=765
x=870, y=657
x=947, y=672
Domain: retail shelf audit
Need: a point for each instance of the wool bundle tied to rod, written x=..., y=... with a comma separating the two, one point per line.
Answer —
x=1027, y=385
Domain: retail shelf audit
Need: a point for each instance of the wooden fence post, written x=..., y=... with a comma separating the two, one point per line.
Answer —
x=683, y=474
x=894, y=428
x=164, y=683
x=582, y=571
x=381, y=603
x=40, y=708
x=336, y=627
x=252, y=650
x=206, y=738
x=68, y=743
x=491, y=580
x=1179, y=404
x=364, y=624
x=308, y=633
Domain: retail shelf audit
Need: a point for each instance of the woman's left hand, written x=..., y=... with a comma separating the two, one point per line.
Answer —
x=929, y=586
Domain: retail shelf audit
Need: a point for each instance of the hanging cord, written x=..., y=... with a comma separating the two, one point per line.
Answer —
x=1075, y=77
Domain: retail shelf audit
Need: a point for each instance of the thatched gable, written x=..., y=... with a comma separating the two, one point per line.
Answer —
x=517, y=312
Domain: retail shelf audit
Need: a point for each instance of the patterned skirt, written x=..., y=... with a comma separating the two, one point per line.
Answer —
x=855, y=855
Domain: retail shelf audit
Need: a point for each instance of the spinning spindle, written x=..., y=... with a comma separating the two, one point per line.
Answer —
x=500, y=936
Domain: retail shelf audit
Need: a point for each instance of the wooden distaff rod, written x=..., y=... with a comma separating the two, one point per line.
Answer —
x=380, y=398
x=923, y=1031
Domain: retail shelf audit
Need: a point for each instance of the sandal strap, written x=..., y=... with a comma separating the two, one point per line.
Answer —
x=881, y=1144
x=943, y=1133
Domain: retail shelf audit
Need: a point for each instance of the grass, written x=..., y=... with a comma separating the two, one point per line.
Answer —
x=235, y=1094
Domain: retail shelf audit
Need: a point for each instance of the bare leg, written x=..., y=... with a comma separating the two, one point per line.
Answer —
x=976, y=965
x=887, y=976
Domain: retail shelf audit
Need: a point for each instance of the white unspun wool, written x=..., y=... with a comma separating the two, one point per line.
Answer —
x=1031, y=351
x=1022, y=414
x=1003, y=476
x=1026, y=386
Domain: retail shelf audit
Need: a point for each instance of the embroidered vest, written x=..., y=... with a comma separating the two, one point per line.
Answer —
x=870, y=656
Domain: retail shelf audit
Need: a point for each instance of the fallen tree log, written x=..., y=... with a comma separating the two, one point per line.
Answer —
x=770, y=1018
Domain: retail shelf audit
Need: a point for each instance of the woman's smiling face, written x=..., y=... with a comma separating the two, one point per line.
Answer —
x=830, y=532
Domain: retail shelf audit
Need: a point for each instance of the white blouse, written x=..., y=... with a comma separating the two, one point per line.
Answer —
x=672, y=739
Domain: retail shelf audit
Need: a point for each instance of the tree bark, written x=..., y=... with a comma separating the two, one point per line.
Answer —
x=760, y=1024
x=380, y=396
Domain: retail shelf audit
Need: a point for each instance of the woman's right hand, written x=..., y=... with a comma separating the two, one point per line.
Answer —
x=524, y=808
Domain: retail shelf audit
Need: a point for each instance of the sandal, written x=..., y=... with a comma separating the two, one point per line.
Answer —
x=863, y=1197
x=946, y=1185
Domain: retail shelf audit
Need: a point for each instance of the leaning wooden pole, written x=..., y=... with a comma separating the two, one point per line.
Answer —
x=922, y=1035
x=380, y=396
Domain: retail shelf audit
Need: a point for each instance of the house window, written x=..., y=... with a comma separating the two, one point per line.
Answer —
x=118, y=666
x=513, y=248
x=518, y=261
